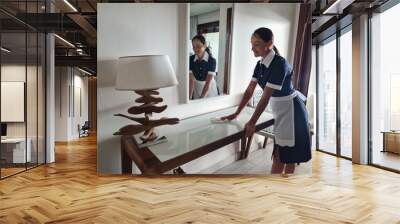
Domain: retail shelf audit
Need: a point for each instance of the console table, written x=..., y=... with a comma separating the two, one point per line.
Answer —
x=190, y=139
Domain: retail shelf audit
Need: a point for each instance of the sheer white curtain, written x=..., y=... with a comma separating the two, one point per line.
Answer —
x=193, y=31
x=193, y=26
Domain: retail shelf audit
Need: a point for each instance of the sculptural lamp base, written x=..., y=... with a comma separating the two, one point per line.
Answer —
x=149, y=135
x=148, y=100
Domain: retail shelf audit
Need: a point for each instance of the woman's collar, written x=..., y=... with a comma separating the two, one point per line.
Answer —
x=205, y=57
x=268, y=59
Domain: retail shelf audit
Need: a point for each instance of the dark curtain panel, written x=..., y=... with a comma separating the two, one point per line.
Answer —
x=302, y=55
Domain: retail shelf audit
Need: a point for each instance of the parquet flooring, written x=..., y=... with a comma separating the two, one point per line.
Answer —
x=70, y=191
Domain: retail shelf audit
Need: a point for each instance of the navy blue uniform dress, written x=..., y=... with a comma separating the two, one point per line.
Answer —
x=277, y=74
x=201, y=68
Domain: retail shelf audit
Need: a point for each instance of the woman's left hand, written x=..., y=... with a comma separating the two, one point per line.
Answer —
x=250, y=128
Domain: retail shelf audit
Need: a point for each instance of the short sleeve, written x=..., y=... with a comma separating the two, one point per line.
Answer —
x=256, y=73
x=212, y=64
x=278, y=75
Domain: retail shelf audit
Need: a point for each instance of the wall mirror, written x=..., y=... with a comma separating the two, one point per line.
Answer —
x=209, y=56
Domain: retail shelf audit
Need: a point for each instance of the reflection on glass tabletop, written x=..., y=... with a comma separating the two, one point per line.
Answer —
x=194, y=132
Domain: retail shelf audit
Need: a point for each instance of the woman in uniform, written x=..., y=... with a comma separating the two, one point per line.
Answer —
x=202, y=70
x=291, y=130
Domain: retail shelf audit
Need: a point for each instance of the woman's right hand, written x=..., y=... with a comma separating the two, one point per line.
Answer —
x=230, y=117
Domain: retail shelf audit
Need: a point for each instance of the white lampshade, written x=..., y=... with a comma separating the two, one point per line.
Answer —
x=145, y=72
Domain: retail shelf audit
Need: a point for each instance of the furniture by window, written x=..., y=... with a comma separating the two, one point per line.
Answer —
x=190, y=139
x=391, y=141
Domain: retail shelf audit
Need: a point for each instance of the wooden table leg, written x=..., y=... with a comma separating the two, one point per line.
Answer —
x=126, y=161
x=245, y=144
x=249, y=141
x=242, y=147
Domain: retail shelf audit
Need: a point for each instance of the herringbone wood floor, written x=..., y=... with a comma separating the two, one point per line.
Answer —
x=70, y=191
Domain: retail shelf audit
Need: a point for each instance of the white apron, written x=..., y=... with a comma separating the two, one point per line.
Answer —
x=199, y=86
x=283, y=112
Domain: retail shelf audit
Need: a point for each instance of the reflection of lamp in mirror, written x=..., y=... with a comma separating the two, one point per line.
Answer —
x=144, y=75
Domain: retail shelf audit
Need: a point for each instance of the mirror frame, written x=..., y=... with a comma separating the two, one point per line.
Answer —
x=228, y=55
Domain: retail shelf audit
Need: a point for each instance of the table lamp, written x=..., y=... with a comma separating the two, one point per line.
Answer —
x=145, y=75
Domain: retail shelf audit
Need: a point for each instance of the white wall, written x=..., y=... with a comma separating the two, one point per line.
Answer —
x=143, y=28
x=61, y=104
x=280, y=18
x=66, y=121
x=79, y=117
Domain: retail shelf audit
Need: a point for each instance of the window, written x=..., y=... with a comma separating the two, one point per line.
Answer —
x=335, y=94
x=346, y=94
x=385, y=89
x=327, y=96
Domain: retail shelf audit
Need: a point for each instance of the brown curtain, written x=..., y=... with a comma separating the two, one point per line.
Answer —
x=302, y=55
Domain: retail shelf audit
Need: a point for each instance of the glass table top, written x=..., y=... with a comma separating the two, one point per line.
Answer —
x=194, y=132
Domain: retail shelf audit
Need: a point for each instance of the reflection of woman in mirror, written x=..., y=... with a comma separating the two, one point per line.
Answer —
x=202, y=70
x=274, y=74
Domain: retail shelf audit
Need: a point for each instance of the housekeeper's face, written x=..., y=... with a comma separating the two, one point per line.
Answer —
x=259, y=47
x=198, y=47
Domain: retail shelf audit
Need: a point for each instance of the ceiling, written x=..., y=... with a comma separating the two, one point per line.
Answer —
x=332, y=15
x=74, y=22
x=202, y=8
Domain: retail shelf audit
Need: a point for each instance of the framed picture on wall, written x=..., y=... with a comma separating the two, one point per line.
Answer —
x=12, y=101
